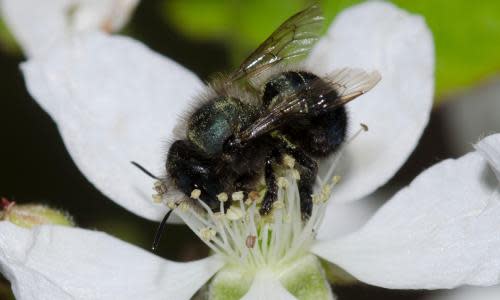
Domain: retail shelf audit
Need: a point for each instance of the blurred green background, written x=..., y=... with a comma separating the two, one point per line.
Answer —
x=208, y=36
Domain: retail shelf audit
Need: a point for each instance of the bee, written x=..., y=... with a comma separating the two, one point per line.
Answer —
x=267, y=109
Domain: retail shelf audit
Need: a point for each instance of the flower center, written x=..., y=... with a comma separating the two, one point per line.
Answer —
x=244, y=237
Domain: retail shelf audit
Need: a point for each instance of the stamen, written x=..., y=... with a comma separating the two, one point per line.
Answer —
x=336, y=159
x=157, y=198
x=363, y=128
x=160, y=187
x=207, y=234
x=195, y=194
x=222, y=197
x=234, y=213
x=237, y=196
x=250, y=241
x=243, y=236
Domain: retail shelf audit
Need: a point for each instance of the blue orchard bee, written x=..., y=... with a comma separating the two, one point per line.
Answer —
x=264, y=110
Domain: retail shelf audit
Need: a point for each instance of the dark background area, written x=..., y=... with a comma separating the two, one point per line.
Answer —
x=35, y=166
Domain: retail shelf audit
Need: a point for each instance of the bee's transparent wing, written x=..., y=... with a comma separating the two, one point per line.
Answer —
x=323, y=94
x=292, y=41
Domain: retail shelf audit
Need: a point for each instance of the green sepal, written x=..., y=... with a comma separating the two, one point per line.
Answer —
x=304, y=278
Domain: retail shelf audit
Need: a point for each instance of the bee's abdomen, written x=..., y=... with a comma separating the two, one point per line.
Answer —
x=286, y=82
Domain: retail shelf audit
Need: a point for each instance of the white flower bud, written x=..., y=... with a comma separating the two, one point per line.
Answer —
x=31, y=215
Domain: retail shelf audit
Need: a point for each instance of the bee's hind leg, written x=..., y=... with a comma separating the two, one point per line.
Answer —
x=308, y=169
x=271, y=183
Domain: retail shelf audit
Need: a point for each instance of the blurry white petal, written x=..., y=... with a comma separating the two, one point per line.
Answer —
x=439, y=232
x=469, y=293
x=266, y=286
x=53, y=262
x=114, y=101
x=489, y=148
x=344, y=218
x=38, y=24
x=472, y=113
x=379, y=36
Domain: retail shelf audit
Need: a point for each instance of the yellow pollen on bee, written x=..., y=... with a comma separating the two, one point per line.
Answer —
x=288, y=161
x=336, y=179
x=295, y=174
x=279, y=204
x=282, y=182
x=184, y=206
x=316, y=199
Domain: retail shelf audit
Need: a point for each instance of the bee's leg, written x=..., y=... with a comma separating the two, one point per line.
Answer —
x=272, y=186
x=308, y=169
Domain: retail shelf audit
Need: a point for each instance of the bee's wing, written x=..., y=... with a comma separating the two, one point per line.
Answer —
x=291, y=41
x=315, y=98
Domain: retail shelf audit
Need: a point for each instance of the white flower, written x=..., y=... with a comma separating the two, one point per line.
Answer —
x=37, y=24
x=439, y=232
x=114, y=101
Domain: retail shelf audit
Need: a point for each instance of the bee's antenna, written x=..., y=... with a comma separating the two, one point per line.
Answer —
x=144, y=170
x=160, y=230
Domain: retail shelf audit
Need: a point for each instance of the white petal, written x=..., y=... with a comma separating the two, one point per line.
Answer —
x=38, y=24
x=114, y=101
x=343, y=218
x=489, y=148
x=53, y=262
x=266, y=286
x=439, y=232
x=469, y=293
x=379, y=36
x=473, y=113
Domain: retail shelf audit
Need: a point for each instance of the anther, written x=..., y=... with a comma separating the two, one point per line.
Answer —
x=364, y=128
x=237, y=196
x=157, y=198
x=222, y=197
x=250, y=241
x=195, y=194
x=160, y=187
x=207, y=234
x=171, y=204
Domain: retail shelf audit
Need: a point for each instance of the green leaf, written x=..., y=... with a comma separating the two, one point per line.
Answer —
x=7, y=42
x=466, y=34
